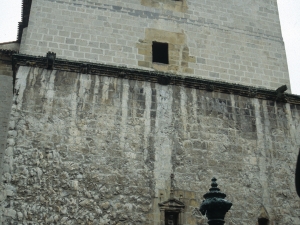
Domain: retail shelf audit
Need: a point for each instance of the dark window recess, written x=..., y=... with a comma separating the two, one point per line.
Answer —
x=263, y=221
x=171, y=218
x=160, y=52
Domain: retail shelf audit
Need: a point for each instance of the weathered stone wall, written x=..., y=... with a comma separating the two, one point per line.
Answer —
x=6, y=95
x=238, y=41
x=86, y=149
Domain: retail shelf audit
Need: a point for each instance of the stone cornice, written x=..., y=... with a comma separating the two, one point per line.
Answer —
x=50, y=62
x=8, y=52
x=6, y=55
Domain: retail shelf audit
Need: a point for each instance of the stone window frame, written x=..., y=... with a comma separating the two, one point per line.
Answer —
x=178, y=51
x=174, y=206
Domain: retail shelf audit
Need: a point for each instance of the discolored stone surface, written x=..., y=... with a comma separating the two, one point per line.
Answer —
x=178, y=51
x=177, y=6
x=88, y=149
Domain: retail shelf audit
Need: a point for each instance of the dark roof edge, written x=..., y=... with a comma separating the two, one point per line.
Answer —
x=49, y=62
x=26, y=6
x=8, y=52
x=8, y=42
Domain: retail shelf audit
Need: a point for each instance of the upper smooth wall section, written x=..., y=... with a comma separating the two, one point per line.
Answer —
x=237, y=41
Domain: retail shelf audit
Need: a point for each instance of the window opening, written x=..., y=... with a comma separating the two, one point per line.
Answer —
x=263, y=221
x=171, y=218
x=160, y=52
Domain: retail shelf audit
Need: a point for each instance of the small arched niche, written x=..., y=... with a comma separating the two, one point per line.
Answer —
x=263, y=218
x=171, y=212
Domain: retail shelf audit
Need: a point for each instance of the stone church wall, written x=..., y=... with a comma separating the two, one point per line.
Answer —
x=6, y=95
x=100, y=150
x=238, y=40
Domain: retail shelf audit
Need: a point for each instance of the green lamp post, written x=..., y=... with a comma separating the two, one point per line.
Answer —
x=215, y=206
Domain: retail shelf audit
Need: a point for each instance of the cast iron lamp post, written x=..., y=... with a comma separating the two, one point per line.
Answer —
x=215, y=206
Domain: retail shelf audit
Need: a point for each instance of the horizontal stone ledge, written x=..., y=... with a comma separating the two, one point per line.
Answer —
x=163, y=78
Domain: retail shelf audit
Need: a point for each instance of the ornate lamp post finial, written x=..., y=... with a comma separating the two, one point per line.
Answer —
x=215, y=206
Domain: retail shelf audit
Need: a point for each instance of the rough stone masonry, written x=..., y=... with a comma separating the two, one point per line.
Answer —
x=100, y=149
x=86, y=149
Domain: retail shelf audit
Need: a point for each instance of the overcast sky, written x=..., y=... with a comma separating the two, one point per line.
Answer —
x=289, y=11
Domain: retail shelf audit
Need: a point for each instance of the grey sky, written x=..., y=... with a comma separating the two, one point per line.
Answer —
x=289, y=11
